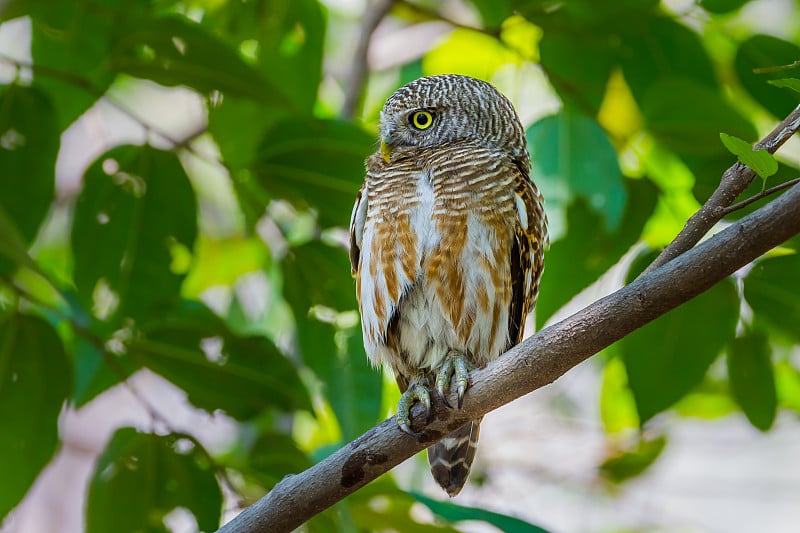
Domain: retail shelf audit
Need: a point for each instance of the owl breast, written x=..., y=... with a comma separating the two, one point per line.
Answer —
x=435, y=260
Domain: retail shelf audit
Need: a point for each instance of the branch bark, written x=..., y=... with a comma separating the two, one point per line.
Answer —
x=734, y=182
x=357, y=77
x=534, y=363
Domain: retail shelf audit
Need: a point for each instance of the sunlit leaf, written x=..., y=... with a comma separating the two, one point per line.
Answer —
x=788, y=83
x=467, y=52
x=141, y=479
x=242, y=376
x=573, y=158
x=574, y=261
x=135, y=204
x=761, y=161
x=752, y=379
x=787, y=382
x=765, y=52
x=315, y=163
x=633, y=463
x=772, y=291
x=458, y=513
x=34, y=384
x=617, y=405
x=29, y=140
x=666, y=358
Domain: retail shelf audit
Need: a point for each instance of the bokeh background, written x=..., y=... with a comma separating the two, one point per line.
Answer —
x=177, y=319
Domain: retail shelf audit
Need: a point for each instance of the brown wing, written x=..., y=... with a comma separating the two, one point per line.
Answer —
x=527, y=254
x=357, y=219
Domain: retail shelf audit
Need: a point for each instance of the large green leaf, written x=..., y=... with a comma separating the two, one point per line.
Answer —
x=141, y=478
x=632, y=463
x=242, y=376
x=772, y=291
x=272, y=457
x=29, y=139
x=722, y=6
x=13, y=249
x=580, y=84
x=176, y=51
x=765, y=51
x=493, y=12
x=661, y=49
x=315, y=163
x=70, y=45
x=34, y=384
x=317, y=274
x=573, y=263
x=135, y=205
x=752, y=379
x=458, y=513
x=573, y=158
x=688, y=117
x=668, y=357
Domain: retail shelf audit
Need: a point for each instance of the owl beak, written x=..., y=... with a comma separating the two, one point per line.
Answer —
x=386, y=150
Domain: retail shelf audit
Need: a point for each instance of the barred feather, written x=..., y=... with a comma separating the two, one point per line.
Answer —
x=446, y=241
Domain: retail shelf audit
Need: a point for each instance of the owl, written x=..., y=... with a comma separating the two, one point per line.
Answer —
x=446, y=246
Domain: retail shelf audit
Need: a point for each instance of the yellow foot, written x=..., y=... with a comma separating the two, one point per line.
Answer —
x=454, y=365
x=417, y=391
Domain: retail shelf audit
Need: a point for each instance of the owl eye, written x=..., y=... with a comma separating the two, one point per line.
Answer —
x=421, y=120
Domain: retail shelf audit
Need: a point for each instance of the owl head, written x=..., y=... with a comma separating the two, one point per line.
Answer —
x=437, y=110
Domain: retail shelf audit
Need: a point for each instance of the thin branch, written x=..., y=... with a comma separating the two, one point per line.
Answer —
x=733, y=183
x=356, y=80
x=759, y=196
x=536, y=362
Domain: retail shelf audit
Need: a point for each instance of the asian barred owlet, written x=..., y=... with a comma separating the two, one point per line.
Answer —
x=446, y=245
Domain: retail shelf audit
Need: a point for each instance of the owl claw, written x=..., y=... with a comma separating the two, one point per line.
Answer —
x=417, y=391
x=455, y=365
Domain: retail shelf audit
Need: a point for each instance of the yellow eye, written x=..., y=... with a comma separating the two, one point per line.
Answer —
x=421, y=120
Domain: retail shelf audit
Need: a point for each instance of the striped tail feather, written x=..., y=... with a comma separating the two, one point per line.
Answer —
x=451, y=457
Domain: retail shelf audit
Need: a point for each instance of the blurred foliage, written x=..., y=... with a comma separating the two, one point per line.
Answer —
x=121, y=275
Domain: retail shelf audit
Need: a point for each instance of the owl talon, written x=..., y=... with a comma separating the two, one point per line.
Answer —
x=417, y=391
x=455, y=365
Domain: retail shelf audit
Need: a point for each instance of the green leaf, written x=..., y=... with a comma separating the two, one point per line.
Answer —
x=788, y=83
x=573, y=263
x=493, y=12
x=617, y=406
x=458, y=513
x=764, y=52
x=573, y=158
x=668, y=357
x=70, y=47
x=580, y=84
x=659, y=49
x=315, y=163
x=135, y=205
x=242, y=376
x=761, y=161
x=272, y=457
x=787, y=382
x=93, y=374
x=752, y=379
x=140, y=479
x=633, y=463
x=12, y=245
x=29, y=140
x=34, y=384
x=318, y=274
x=772, y=291
x=176, y=51
x=722, y=6
x=687, y=117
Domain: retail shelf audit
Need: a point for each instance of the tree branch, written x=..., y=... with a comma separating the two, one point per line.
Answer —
x=358, y=72
x=733, y=183
x=536, y=362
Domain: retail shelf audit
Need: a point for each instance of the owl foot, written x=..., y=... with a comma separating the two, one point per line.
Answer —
x=454, y=365
x=417, y=391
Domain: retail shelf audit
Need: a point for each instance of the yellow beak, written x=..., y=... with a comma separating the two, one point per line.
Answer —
x=386, y=151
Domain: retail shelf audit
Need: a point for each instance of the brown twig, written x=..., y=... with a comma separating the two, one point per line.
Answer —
x=733, y=183
x=759, y=196
x=356, y=79
x=538, y=361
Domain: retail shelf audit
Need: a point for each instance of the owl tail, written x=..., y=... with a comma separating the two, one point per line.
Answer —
x=451, y=457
